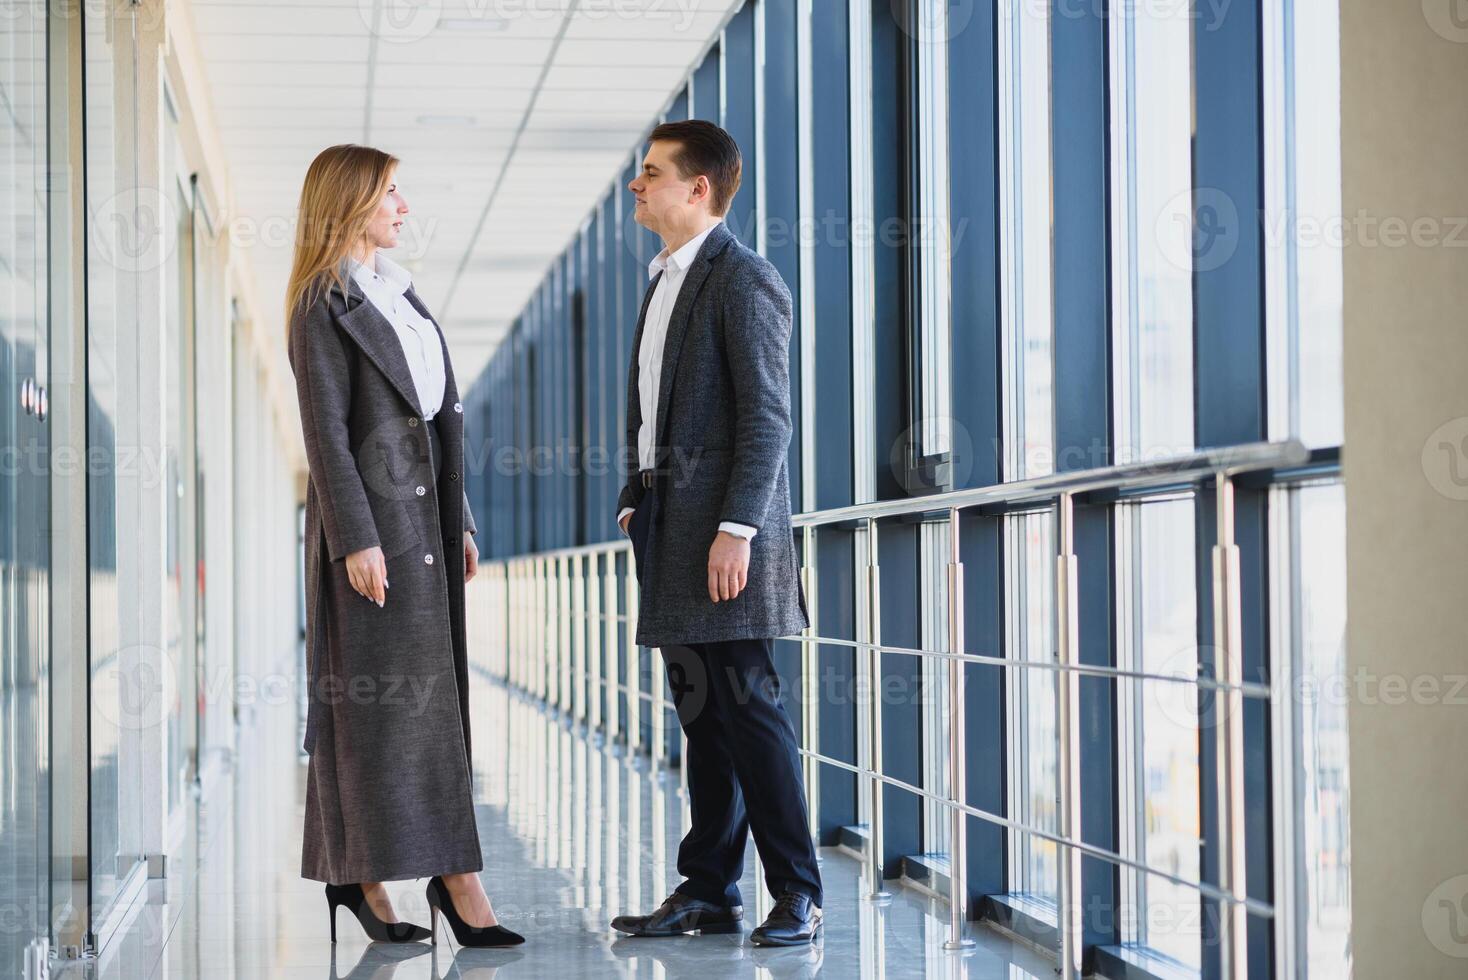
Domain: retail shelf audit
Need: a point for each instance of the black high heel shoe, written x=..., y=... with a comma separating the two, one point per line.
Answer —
x=354, y=898
x=440, y=902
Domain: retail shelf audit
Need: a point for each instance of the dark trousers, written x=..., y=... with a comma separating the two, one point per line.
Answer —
x=743, y=764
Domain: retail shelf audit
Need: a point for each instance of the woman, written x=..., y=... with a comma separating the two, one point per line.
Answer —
x=389, y=546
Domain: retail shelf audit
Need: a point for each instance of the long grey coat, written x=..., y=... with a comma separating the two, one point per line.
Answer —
x=389, y=791
x=723, y=425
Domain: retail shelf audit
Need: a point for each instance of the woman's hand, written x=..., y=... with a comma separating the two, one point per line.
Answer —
x=471, y=556
x=367, y=571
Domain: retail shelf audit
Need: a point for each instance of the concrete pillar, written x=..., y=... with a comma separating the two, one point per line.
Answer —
x=1405, y=199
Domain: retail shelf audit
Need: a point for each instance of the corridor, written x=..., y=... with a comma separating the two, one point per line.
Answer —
x=1057, y=406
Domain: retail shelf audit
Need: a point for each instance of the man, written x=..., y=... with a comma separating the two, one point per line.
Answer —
x=707, y=507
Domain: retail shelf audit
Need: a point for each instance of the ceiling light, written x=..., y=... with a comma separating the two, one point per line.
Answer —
x=473, y=23
x=431, y=120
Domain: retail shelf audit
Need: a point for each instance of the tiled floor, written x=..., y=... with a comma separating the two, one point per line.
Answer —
x=573, y=834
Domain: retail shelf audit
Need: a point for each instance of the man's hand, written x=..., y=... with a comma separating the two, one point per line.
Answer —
x=367, y=571
x=624, y=522
x=728, y=566
x=471, y=556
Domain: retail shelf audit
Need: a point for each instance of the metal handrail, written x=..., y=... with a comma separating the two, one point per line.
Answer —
x=1062, y=491
x=1172, y=471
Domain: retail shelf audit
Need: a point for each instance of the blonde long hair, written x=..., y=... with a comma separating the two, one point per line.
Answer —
x=344, y=186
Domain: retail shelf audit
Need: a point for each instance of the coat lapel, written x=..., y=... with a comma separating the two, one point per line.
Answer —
x=634, y=403
x=693, y=280
x=377, y=339
x=450, y=388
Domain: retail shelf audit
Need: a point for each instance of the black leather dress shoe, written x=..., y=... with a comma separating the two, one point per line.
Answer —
x=682, y=913
x=794, y=921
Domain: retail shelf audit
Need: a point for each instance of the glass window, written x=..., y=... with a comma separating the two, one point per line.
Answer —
x=1304, y=226
x=1157, y=633
x=1024, y=216
x=1029, y=589
x=1152, y=240
x=1309, y=611
x=933, y=550
x=928, y=211
x=1026, y=336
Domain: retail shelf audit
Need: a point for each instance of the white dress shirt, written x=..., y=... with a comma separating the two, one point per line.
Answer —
x=386, y=286
x=650, y=353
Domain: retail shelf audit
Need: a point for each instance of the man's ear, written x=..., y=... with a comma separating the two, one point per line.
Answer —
x=701, y=188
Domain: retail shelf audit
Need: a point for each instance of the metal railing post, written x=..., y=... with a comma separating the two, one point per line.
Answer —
x=545, y=670
x=594, y=689
x=809, y=668
x=658, y=720
x=522, y=621
x=1228, y=712
x=957, y=759
x=634, y=666
x=552, y=647
x=565, y=650
x=577, y=619
x=873, y=661
x=1067, y=645
x=522, y=626
x=609, y=632
x=512, y=621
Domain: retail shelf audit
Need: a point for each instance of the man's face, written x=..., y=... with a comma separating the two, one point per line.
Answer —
x=667, y=203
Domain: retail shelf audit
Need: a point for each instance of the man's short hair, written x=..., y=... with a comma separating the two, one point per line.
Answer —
x=707, y=149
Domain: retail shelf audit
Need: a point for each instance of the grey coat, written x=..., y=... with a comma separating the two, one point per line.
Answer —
x=723, y=431
x=389, y=790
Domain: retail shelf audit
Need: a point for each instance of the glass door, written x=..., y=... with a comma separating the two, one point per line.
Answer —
x=180, y=586
x=25, y=489
x=122, y=687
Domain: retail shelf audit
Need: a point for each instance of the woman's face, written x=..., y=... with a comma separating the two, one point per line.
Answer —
x=382, y=231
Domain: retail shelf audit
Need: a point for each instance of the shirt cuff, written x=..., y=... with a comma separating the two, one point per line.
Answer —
x=621, y=514
x=739, y=530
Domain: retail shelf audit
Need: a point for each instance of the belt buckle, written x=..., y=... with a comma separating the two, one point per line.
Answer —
x=647, y=479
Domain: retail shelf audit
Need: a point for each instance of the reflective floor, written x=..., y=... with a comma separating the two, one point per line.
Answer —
x=573, y=834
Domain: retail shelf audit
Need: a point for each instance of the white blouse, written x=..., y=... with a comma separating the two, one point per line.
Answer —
x=386, y=286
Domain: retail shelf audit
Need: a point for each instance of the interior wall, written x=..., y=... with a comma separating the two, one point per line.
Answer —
x=1404, y=141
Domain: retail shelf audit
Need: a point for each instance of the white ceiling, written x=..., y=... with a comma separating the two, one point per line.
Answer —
x=539, y=103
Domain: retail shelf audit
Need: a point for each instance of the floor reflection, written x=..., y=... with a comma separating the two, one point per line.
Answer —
x=573, y=832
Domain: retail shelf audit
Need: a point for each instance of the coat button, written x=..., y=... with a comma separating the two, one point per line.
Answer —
x=428, y=559
x=412, y=420
x=420, y=491
x=453, y=475
x=458, y=406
